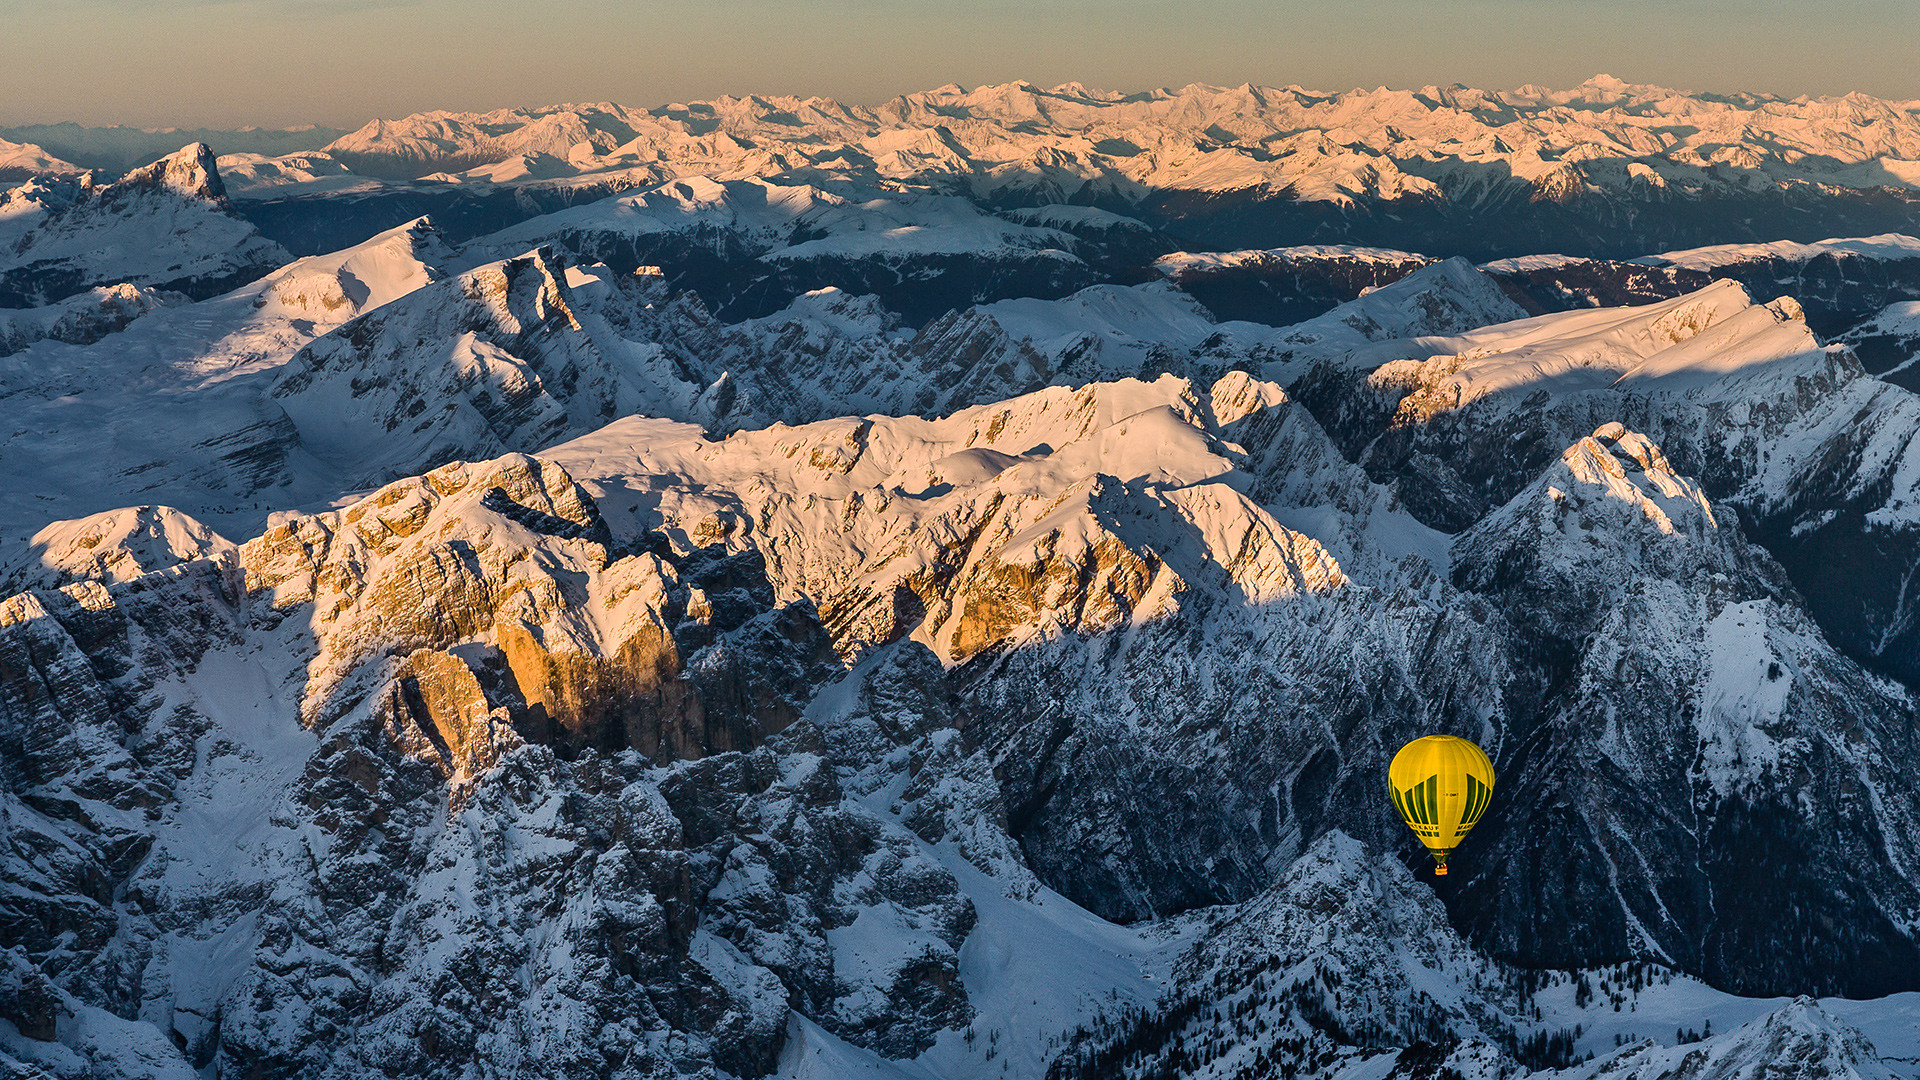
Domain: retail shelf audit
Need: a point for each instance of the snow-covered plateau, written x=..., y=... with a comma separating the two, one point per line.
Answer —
x=774, y=588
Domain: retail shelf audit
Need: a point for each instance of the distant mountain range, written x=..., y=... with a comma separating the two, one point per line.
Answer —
x=114, y=150
x=1606, y=168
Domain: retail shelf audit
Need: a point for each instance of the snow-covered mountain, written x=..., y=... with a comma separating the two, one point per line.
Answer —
x=1605, y=168
x=1888, y=342
x=1201, y=138
x=163, y=226
x=81, y=319
x=479, y=635
x=21, y=161
x=772, y=588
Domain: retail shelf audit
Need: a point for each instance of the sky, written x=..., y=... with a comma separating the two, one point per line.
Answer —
x=232, y=63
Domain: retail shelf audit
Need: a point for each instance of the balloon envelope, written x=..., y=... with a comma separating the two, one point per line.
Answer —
x=1440, y=785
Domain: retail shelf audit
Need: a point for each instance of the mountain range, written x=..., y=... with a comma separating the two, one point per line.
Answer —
x=769, y=587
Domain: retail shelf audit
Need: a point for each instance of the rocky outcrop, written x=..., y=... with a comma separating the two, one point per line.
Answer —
x=585, y=645
x=1646, y=623
x=1311, y=982
x=82, y=319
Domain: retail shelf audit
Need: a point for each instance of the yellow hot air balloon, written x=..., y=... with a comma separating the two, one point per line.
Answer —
x=1441, y=785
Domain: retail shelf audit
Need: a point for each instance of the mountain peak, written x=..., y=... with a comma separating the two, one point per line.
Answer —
x=118, y=545
x=1800, y=1039
x=191, y=171
x=30, y=159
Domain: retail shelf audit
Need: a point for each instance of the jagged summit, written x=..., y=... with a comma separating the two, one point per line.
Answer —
x=191, y=171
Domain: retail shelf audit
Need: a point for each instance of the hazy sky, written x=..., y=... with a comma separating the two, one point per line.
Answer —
x=341, y=62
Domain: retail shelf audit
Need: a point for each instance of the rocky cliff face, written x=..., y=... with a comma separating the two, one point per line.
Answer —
x=460, y=736
x=1774, y=789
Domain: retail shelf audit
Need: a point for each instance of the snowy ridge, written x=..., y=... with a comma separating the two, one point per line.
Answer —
x=745, y=242
x=758, y=212
x=175, y=405
x=1802, y=1036
x=113, y=547
x=334, y=288
x=246, y=175
x=1582, y=350
x=1182, y=265
x=1890, y=247
x=18, y=161
x=1085, y=509
x=1439, y=299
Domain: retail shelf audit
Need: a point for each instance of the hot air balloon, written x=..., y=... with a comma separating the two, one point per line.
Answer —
x=1441, y=785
